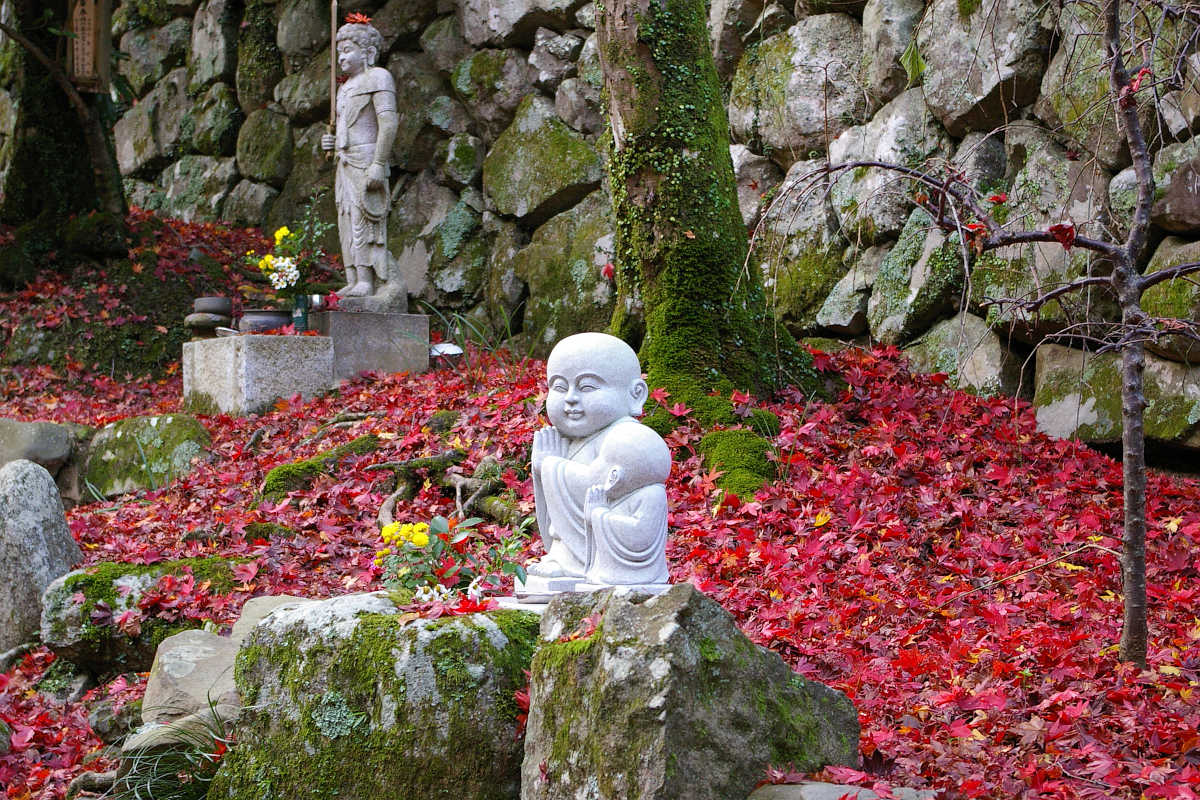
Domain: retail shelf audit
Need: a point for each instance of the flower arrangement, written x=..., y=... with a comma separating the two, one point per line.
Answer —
x=433, y=560
x=296, y=254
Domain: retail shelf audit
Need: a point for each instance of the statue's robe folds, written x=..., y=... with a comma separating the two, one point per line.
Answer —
x=361, y=229
x=559, y=491
x=628, y=540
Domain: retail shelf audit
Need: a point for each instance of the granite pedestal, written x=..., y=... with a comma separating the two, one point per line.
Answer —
x=378, y=342
x=246, y=374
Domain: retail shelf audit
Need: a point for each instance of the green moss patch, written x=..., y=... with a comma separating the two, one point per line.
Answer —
x=742, y=456
x=298, y=475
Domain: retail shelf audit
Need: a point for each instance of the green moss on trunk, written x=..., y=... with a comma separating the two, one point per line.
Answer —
x=681, y=243
x=297, y=475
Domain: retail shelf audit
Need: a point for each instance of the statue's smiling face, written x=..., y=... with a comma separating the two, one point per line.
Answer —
x=579, y=404
x=352, y=59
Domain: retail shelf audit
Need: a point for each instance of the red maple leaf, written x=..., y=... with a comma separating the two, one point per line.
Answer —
x=357, y=19
x=1064, y=234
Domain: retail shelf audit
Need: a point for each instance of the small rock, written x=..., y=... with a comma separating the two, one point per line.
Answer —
x=44, y=443
x=191, y=670
x=577, y=103
x=112, y=725
x=1178, y=210
x=756, y=176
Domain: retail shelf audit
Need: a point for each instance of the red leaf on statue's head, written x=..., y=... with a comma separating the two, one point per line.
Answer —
x=357, y=19
x=1064, y=234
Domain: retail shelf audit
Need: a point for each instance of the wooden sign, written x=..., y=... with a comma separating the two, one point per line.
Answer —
x=91, y=44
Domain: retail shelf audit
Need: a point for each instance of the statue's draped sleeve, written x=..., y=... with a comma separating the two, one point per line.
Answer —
x=629, y=538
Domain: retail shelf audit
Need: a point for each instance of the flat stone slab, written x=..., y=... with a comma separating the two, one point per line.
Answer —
x=243, y=375
x=374, y=341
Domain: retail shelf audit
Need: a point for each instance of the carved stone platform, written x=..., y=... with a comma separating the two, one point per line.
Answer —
x=243, y=375
x=380, y=342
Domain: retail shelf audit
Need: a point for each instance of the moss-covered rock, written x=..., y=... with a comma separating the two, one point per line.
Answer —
x=304, y=95
x=347, y=698
x=80, y=611
x=1075, y=95
x=153, y=52
x=311, y=175
x=1048, y=189
x=920, y=280
x=870, y=205
x=742, y=456
x=419, y=88
x=462, y=160
x=297, y=475
x=259, y=62
x=197, y=186
x=1175, y=299
x=143, y=453
x=264, y=148
x=539, y=167
x=458, y=251
x=562, y=266
x=1078, y=395
x=798, y=249
x=491, y=84
x=662, y=698
x=798, y=89
x=217, y=119
x=974, y=358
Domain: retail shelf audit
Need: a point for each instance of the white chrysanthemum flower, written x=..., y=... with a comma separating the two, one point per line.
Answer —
x=425, y=594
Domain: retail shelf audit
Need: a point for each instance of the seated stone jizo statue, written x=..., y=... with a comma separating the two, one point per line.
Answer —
x=366, y=124
x=598, y=474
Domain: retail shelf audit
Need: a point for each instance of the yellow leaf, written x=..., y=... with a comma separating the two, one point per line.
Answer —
x=1069, y=566
x=1168, y=669
x=821, y=518
x=1172, y=525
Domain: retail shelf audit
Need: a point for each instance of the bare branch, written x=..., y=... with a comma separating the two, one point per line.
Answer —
x=1169, y=274
x=1046, y=297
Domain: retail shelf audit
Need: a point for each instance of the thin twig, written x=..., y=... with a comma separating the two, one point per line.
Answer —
x=1047, y=562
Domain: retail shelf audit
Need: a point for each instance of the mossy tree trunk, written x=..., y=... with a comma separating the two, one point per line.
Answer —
x=62, y=163
x=681, y=243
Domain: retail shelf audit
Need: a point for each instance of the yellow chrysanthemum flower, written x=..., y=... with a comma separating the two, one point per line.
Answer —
x=389, y=531
x=282, y=234
x=420, y=539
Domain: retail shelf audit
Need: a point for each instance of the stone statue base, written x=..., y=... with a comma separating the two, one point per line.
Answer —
x=536, y=589
x=647, y=588
x=374, y=341
x=391, y=298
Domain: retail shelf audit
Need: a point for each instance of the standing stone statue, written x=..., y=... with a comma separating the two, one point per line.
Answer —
x=598, y=475
x=362, y=145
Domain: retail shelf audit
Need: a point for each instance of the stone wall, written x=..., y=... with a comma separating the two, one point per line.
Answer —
x=500, y=210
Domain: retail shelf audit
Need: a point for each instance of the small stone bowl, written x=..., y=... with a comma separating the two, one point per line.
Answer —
x=221, y=306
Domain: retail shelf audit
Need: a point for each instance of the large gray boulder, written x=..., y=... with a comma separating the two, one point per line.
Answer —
x=1178, y=209
x=888, y=29
x=663, y=698
x=144, y=452
x=970, y=353
x=1075, y=96
x=873, y=204
x=1078, y=395
x=304, y=95
x=214, y=43
x=35, y=547
x=216, y=121
x=153, y=52
x=403, y=20
x=430, y=701
x=539, y=167
x=302, y=32
x=844, y=311
x=577, y=103
x=150, y=133
x=312, y=173
x=248, y=204
x=798, y=248
x=443, y=42
x=984, y=64
x=801, y=88
x=414, y=223
x=421, y=93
